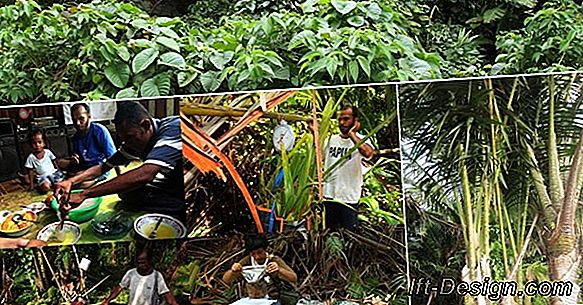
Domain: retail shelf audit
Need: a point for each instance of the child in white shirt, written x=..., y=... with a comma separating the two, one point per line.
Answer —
x=41, y=165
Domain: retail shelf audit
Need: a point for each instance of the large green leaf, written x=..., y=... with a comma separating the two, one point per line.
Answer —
x=158, y=85
x=210, y=81
x=220, y=59
x=169, y=43
x=344, y=7
x=374, y=11
x=123, y=53
x=185, y=78
x=144, y=59
x=170, y=33
x=310, y=6
x=419, y=68
x=364, y=64
x=126, y=93
x=493, y=15
x=353, y=70
x=356, y=21
x=282, y=73
x=118, y=74
x=172, y=59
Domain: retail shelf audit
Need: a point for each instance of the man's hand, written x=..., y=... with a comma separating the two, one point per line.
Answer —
x=237, y=268
x=106, y=302
x=272, y=267
x=63, y=188
x=354, y=128
x=75, y=159
x=76, y=199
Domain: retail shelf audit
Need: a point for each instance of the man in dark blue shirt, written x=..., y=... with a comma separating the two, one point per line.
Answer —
x=158, y=184
x=92, y=143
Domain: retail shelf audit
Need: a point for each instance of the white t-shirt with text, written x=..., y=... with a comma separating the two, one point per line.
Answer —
x=345, y=182
x=42, y=167
x=141, y=288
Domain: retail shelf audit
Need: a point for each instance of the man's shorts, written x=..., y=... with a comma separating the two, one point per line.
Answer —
x=53, y=178
x=340, y=215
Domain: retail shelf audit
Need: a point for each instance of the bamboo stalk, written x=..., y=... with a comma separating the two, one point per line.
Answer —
x=468, y=214
x=61, y=290
x=223, y=111
x=520, y=257
x=556, y=189
x=316, y=129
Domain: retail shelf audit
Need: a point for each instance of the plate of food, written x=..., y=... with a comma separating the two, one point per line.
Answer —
x=17, y=223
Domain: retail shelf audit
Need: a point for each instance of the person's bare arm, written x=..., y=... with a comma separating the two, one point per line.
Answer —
x=125, y=182
x=228, y=277
x=30, y=179
x=114, y=293
x=282, y=271
x=169, y=297
x=64, y=187
x=366, y=150
x=90, y=173
x=14, y=243
x=232, y=274
x=288, y=275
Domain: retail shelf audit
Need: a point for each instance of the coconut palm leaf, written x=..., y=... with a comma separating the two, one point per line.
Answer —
x=195, y=137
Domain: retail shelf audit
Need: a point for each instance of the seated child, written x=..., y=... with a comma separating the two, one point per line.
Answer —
x=42, y=170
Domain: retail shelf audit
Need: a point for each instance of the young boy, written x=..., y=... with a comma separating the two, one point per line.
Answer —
x=42, y=170
x=146, y=285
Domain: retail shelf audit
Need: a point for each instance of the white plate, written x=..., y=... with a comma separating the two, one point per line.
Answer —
x=146, y=223
x=36, y=207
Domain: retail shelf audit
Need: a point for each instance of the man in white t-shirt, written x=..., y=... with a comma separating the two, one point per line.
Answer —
x=342, y=189
x=146, y=286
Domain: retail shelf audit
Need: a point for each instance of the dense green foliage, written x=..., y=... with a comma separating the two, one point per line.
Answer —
x=107, y=49
x=477, y=128
x=30, y=271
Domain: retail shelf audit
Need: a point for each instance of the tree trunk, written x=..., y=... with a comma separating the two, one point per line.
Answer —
x=564, y=260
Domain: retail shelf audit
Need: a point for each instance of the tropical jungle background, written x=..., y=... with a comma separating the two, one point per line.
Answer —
x=244, y=165
x=51, y=275
x=493, y=181
x=65, y=50
x=336, y=267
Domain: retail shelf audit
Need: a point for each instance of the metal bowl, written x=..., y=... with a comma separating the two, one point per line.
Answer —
x=170, y=227
x=50, y=233
x=112, y=224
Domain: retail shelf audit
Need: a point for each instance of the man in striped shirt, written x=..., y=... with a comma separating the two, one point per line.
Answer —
x=158, y=184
